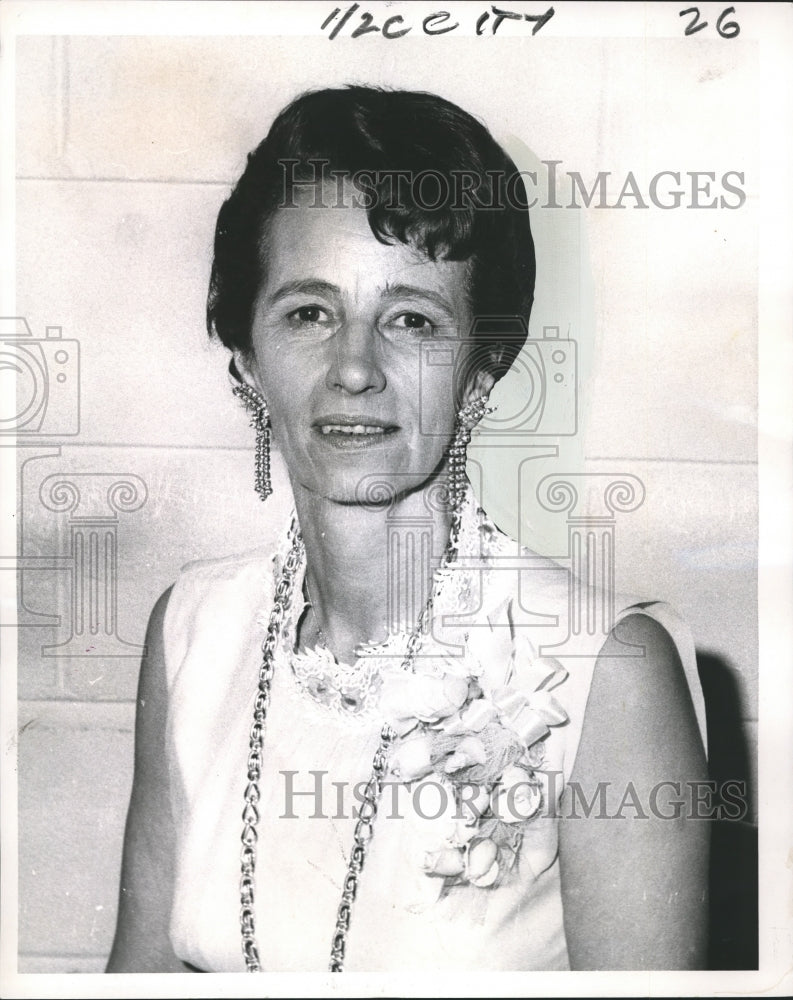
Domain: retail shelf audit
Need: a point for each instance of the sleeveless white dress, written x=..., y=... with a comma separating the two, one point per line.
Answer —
x=503, y=608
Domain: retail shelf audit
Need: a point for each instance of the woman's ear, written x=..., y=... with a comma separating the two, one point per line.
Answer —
x=480, y=383
x=241, y=367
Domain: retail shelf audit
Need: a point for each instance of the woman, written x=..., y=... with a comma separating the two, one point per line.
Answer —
x=371, y=708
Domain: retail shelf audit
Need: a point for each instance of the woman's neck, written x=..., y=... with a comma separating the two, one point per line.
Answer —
x=368, y=569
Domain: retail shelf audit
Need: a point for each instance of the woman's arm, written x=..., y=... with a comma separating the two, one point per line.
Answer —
x=141, y=943
x=635, y=889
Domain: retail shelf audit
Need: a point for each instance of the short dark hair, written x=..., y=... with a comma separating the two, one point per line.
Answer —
x=375, y=132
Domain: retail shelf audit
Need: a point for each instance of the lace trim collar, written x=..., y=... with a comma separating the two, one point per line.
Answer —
x=351, y=690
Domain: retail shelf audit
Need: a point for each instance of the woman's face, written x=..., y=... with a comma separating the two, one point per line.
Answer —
x=339, y=330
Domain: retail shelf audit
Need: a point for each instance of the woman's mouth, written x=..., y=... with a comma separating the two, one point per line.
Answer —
x=357, y=429
x=353, y=430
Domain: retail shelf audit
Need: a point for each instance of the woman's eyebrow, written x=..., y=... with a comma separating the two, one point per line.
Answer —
x=316, y=286
x=306, y=286
x=413, y=291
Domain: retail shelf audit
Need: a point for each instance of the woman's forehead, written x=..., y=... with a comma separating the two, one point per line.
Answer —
x=311, y=241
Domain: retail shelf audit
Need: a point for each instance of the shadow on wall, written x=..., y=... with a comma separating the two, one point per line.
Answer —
x=733, y=858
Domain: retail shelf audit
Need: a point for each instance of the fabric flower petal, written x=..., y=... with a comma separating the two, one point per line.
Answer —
x=548, y=708
x=481, y=856
x=411, y=759
x=488, y=878
x=517, y=797
x=470, y=750
x=446, y=863
x=472, y=719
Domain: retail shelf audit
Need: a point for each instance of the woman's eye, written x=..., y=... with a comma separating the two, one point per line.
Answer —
x=308, y=315
x=414, y=321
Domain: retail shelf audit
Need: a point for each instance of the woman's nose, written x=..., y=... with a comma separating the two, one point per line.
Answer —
x=356, y=364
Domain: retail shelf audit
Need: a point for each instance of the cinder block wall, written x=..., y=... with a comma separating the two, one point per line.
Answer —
x=125, y=150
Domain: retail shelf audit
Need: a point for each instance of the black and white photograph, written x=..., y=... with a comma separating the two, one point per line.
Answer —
x=396, y=506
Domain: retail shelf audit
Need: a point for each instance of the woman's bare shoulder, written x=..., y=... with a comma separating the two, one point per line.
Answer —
x=629, y=845
x=639, y=679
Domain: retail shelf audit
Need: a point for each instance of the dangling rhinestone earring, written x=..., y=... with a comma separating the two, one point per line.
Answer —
x=467, y=418
x=254, y=402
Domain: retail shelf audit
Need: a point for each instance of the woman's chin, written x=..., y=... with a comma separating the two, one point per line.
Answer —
x=370, y=490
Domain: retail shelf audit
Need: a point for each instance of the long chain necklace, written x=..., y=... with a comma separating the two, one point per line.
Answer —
x=364, y=827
